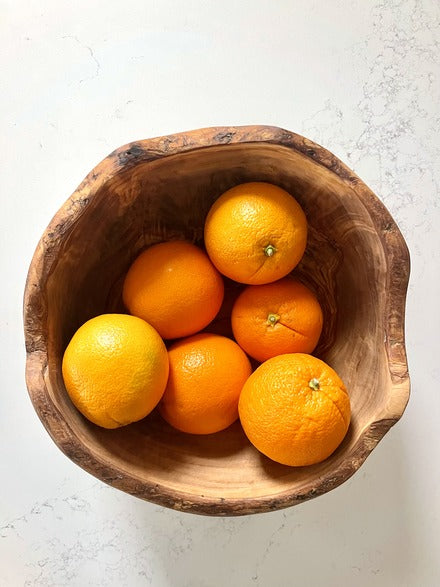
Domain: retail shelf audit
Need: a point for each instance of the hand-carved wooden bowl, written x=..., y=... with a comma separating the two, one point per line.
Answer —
x=160, y=189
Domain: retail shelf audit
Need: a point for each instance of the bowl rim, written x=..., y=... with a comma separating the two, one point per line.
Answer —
x=36, y=311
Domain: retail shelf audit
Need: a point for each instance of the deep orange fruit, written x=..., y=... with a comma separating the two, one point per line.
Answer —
x=174, y=287
x=295, y=409
x=255, y=233
x=207, y=373
x=277, y=318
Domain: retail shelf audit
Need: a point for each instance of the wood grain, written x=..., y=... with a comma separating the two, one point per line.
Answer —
x=160, y=189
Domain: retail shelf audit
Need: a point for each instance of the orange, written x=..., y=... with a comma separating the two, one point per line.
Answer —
x=255, y=233
x=115, y=369
x=207, y=373
x=175, y=288
x=295, y=409
x=277, y=318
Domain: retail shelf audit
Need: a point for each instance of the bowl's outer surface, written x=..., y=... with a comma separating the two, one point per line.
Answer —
x=162, y=188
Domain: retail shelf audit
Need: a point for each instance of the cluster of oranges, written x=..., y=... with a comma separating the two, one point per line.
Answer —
x=293, y=407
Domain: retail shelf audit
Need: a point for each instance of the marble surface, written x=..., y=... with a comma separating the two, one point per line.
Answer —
x=81, y=78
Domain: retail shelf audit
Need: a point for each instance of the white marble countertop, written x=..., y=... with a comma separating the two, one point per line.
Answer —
x=81, y=78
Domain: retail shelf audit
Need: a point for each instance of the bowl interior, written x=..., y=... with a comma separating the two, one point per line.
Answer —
x=169, y=198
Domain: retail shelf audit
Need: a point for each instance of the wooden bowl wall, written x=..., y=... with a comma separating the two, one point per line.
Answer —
x=161, y=189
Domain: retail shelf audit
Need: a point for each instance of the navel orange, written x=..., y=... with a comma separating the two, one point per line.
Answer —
x=295, y=409
x=207, y=373
x=277, y=318
x=255, y=233
x=115, y=369
x=175, y=288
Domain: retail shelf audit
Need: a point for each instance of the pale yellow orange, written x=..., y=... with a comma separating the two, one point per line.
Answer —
x=115, y=369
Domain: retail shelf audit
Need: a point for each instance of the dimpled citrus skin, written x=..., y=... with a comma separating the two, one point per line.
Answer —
x=115, y=369
x=295, y=409
x=244, y=222
x=277, y=318
x=175, y=288
x=207, y=373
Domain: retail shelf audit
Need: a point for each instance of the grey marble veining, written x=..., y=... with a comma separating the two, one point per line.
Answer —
x=361, y=78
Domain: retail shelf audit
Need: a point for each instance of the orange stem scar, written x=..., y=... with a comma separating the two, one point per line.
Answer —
x=272, y=319
x=269, y=250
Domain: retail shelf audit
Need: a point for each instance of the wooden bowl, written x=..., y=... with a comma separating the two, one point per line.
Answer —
x=160, y=189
